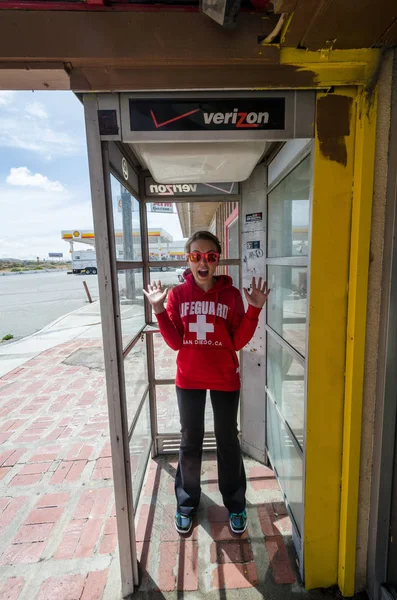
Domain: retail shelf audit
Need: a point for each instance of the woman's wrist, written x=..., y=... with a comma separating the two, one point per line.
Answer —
x=158, y=309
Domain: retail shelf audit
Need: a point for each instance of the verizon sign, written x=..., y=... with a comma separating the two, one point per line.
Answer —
x=153, y=188
x=208, y=115
x=216, y=116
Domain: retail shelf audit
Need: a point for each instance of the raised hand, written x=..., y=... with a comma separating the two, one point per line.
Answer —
x=259, y=293
x=156, y=296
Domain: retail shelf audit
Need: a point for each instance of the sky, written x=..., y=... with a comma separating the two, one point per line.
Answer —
x=44, y=180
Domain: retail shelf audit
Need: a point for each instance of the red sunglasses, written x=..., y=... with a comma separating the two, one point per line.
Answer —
x=210, y=257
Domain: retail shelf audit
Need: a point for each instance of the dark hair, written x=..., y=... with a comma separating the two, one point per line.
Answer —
x=203, y=235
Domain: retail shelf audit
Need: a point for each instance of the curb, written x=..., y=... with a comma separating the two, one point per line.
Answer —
x=9, y=273
x=72, y=312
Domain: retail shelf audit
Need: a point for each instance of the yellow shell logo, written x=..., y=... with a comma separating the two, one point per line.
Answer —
x=76, y=233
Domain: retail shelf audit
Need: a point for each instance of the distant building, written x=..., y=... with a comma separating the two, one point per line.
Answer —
x=162, y=246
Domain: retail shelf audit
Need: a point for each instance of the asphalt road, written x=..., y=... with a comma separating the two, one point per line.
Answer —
x=29, y=302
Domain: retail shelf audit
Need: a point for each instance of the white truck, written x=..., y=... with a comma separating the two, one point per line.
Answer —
x=84, y=261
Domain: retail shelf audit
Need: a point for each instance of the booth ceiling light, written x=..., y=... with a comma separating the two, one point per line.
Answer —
x=201, y=162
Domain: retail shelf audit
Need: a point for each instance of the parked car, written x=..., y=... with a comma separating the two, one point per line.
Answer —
x=154, y=269
x=180, y=271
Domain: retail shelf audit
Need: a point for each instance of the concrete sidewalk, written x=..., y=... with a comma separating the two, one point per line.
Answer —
x=82, y=323
x=58, y=538
x=85, y=321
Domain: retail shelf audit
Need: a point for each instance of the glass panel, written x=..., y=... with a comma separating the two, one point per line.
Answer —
x=136, y=377
x=287, y=304
x=140, y=444
x=168, y=413
x=126, y=219
x=233, y=240
x=234, y=272
x=233, y=250
x=169, y=278
x=167, y=409
x=165, y=358
x=286, y=382
x=286, y=460
x=288, y=213
x=131, y=301
x=166, y=241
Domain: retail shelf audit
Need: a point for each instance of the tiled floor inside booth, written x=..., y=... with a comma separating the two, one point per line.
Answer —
x=210, y=560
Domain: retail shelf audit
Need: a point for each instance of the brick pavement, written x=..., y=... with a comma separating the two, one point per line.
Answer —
x=58, y=537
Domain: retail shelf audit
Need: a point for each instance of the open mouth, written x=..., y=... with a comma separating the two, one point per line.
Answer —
x=203, y=273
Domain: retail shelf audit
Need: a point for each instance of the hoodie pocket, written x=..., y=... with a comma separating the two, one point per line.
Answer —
x=208, y=365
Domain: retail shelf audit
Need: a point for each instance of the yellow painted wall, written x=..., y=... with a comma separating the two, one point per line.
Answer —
x=364, y=158
x=341, y=226
x=328, y=301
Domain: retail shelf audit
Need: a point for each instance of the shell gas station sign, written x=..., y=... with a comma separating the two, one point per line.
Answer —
x=162, y=207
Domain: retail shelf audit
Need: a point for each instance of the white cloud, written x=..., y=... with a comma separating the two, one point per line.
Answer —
x=36, y=109
x=36, y=203
x=29, y=132
x=6, y=97
x=21, y=176
x=32, y=221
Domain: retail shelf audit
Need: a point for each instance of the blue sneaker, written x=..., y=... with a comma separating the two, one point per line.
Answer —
x=238, y=521
x=183, y=523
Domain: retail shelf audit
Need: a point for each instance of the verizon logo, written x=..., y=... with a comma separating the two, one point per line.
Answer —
x=172, y=189
x=241, y=119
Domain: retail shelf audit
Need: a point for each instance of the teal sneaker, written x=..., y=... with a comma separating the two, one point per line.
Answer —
x=238, y=521
x=183, y=523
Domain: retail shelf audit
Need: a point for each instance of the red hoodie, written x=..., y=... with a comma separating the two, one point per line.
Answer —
x=207, y=328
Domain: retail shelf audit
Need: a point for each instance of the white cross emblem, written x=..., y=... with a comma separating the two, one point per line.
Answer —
x=201, y=327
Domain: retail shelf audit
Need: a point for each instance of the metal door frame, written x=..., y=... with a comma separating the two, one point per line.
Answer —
x=385, y=426
x=112, y=348
x=292, y=163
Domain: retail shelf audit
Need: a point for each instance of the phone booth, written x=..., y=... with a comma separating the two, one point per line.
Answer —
x=135, y=141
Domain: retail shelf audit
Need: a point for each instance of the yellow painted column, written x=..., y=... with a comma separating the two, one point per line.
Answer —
x=328, y=301
x=355, y=343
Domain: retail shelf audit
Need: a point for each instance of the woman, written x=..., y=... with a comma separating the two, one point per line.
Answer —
x=205, y=321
